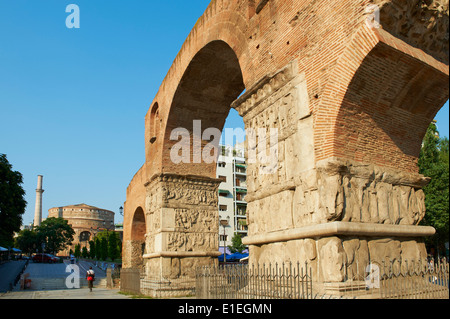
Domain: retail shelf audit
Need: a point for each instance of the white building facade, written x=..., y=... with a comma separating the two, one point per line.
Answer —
x=232, y=169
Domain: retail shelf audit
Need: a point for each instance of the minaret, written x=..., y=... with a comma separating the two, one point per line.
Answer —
x=38, y=207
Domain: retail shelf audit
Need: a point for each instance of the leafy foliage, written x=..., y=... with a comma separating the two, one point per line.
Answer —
x=92, y=249
x=12, y=201
x=236, y=244
x=27, y=241
x=434, y=163
x=56, y=233
x=106, y=245
x=77, y=252
x=84, y=252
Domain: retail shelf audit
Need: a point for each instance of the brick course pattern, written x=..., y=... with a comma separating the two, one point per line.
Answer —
x=343, y=93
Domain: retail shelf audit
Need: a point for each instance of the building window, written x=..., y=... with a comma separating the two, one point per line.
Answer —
x=222, y=164
x=223, y=193
x=223, y=238
x=155, y=123
x=85, y=236
x=241, y=210
x=223, y=208
x=223, y=178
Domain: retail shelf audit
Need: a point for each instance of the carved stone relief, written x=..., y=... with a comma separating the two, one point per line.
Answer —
x=182, y=213
x=423, y=24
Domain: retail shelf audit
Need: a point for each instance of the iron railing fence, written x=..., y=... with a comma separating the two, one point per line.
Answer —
x=414, y=280
x=389, y=280
x=135, y=281
x=130, y=280
x=272, y=281
x=394, y=279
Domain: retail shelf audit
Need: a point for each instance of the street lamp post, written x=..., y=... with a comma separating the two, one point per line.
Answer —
x=225, y=223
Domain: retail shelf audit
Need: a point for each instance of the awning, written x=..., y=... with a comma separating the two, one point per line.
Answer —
x=241, y=190
x=3, y=249
x=241, y=166
x=222, y=191
x=221, y=258
x=244, y=259
x=16, y=250
x=237, y=256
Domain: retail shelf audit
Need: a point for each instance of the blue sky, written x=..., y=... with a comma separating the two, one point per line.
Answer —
x=73, y=101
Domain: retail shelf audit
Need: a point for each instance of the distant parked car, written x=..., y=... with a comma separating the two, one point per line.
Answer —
x=55, y=259
x=45, y=258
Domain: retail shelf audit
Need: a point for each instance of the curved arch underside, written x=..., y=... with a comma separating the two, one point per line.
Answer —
x=343, y=97
x=210, y=84
x=138, y=228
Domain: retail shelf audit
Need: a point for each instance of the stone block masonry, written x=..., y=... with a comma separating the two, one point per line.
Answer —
x=351, y=103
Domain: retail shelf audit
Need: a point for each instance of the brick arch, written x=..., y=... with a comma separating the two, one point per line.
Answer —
x=138, y=228
x=222, y=25
x=212, y=81
x=85, y=236
x=134, y=239
x=380, y=100
x=342, y=96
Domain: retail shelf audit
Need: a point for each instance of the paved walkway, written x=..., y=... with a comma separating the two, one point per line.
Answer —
x=8, y=273
x=42, y=271
x=84, y=293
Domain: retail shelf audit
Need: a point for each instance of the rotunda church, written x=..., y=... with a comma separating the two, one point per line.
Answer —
x=86, y=221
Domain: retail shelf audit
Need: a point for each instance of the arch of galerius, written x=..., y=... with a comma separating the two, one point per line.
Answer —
x=350, y=97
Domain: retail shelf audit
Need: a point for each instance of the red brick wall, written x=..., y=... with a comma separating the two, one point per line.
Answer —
x=371, y=95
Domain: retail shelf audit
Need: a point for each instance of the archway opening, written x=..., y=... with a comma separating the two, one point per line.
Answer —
x=202, y=102
x=194, y=141
x=85, y=237
x=232, y=171
x=138, y=230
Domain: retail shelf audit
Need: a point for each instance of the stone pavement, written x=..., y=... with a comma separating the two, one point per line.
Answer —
x=84, y=293
x=43, y=272
x=8, y=273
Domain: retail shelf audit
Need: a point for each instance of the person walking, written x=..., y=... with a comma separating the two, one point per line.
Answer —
x=90, y=276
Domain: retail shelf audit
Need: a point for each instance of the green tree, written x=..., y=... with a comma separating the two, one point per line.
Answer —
x=27, y=241
x=98, y=249
x=12, y=202
x=429, y=153
x=104, y=248
x=56, y=233
x=113, y=246
x=236, y=244
x=434, y=163
x=84, y=252
x=92, y=249
x=77, y=252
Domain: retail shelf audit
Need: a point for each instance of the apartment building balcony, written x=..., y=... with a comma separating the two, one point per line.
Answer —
x=241, y=210
x=224, y=193
x=241, y=225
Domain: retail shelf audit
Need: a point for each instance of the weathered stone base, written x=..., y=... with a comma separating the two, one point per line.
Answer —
x=165, y=290
x=339, y=217
x=175, y=266
x=169, y=274
x=132, y=254
x=337, y=252
x=181, y=230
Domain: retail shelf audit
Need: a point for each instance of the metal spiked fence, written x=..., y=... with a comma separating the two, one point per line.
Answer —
x=272, y=281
